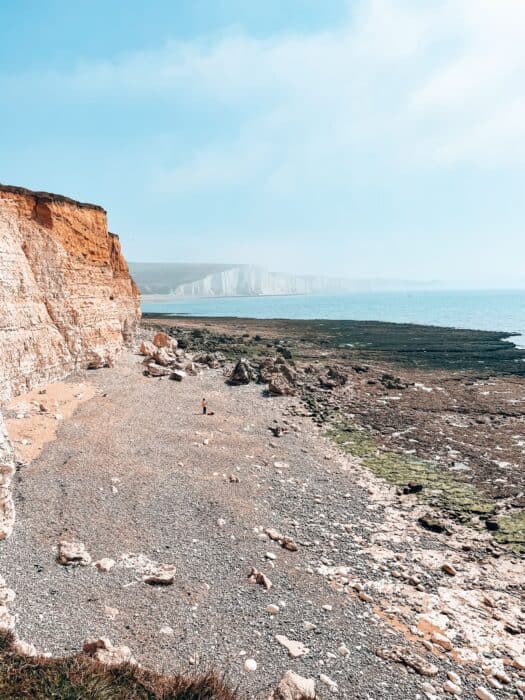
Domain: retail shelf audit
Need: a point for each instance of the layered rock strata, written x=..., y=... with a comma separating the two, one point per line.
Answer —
x=67, y=300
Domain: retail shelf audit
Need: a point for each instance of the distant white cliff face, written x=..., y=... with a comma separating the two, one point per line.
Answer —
x=222, y=280
x=249, y=280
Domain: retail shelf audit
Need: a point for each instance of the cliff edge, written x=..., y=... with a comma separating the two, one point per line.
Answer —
x=66, y=296
x=67, y=300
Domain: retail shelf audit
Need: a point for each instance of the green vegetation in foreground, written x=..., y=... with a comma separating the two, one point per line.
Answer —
x=439, y=487
x=78, y=677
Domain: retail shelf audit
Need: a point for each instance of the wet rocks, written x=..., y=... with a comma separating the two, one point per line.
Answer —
x=432, y=523
x=73, y=554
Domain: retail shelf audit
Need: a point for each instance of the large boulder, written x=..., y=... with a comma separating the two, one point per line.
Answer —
x=163, y=357
x=155, y=370
x=163, y=340
x=147, y=348
x=242, y=374
x=280, y=386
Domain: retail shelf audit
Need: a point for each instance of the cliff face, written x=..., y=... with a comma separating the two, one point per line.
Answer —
x=228, y=280
x=66, y=297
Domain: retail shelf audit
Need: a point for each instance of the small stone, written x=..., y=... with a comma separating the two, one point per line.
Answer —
x=365, y=597
x=273, y=534
x=164, y=576
x=295, y=648
x=448, y=569
x=519, y=663
x=221, y=522
x=233, y=478
x=328, y=608
x=328, y=681
x=250, y=665
x=258, y=577
x=272, y=609
x=442, y=641
x=484, y=694
x=102, y=650
x=270, y=555
x=343, y=650
x=452, y=676
x=451, y=688
x=105, y=564
x=167, y=630
x=502, y=676
x=309, y=626
x=73, y=554
x=289, y=544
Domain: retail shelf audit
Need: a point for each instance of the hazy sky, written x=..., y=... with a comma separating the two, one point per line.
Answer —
x=366, y=138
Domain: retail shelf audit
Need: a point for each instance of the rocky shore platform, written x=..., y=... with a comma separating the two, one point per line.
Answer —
x=339, y=513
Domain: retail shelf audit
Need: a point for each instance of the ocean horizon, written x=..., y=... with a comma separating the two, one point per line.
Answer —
x=491, y=310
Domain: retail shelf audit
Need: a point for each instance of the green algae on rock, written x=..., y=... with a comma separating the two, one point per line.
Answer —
x=439, y=487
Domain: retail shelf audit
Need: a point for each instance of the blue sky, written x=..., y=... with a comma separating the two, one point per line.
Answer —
x=364, y=138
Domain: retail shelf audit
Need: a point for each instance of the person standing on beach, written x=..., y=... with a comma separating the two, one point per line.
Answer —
x=204, y=405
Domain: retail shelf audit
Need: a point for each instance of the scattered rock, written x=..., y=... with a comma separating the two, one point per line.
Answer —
x=430, y=522
x=105, y=564
x=448, y=569
x=164, y=576
x=451, y=688
x=103, y=651
x=295, y=649
x=328, y=681
x=73, y=554
x=272, y=609
x=289, y=544
x=258, y=577
x=405, y=656
x=155, y=370
x=178, y=375
x=250, y=665
x=273, y=534
x=294, y=687
x=484, y=694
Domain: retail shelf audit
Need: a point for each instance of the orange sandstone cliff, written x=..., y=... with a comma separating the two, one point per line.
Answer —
x=66, y=300
x=66, y=297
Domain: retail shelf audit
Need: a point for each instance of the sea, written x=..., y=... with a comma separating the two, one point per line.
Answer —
x=492, y=310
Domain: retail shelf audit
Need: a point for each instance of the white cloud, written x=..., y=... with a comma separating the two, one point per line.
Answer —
x=411, y=83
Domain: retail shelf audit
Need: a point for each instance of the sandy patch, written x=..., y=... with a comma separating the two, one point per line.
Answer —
x=39, y=414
